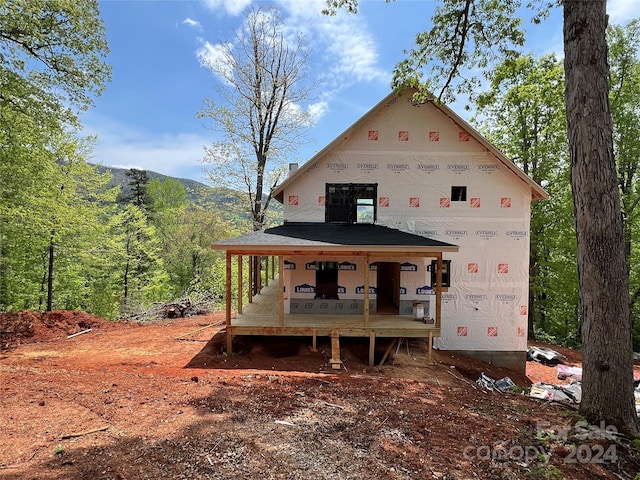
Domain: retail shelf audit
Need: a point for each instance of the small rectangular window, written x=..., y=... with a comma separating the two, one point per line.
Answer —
x=446, y=273
x=458, y=194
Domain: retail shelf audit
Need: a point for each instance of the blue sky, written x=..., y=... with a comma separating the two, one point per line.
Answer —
x=146, y=118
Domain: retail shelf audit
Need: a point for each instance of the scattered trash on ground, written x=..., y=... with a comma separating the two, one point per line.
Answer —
x=502, y=385
x=544, y=355
x=571, y=394
x=567, y=371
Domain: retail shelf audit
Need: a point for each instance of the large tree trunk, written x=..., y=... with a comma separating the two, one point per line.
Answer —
x=604, y=293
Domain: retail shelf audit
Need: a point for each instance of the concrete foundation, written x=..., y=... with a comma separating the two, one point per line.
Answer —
x=516, y=361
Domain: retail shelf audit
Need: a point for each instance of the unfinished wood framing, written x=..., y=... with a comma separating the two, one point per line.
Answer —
x=366, y=291
x=228, y=301
x=372, y=347
x=438, y=289
x=281, y=291
x=250, y=282
x=335, y=350
x=240, y=292
x=264, y=314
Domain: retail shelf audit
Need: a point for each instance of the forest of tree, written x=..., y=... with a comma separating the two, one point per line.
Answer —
x=72, y=239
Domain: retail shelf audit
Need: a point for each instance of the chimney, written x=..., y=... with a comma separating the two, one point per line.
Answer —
x=292, y=168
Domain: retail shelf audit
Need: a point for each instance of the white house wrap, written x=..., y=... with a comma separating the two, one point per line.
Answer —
x=419, y=170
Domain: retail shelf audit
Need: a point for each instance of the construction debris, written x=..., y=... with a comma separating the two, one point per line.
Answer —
x=503, y=385
x=571, y=394
x=195, y=304
x=544, y=355
x=567, y=371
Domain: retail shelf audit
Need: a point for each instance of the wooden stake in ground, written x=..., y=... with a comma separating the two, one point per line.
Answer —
x=80, y=434
x=79, y=333
x=200, y=329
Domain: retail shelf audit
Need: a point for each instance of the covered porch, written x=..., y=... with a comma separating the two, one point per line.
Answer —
x=264, y=314
x=261, y=317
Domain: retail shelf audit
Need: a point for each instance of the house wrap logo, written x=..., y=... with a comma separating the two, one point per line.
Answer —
x=429, y=168
x=449, y=297
x=486, y=233
x=397, y=167
x=455, y=233
x=427, y=233
x=488, y=167
x=458, y=167
x=337, y=166
x=367, y=167
x=507, y=298
x=475, y=297
x=517, y=233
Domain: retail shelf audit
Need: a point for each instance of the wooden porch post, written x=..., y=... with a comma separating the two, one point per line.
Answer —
x=250, y=282
x=273, y=269
x=372, y=347
x=281, y=291
x=438, y=288
x=266, y=270
x=366, y=290
x=228, y=304
x=240, y=286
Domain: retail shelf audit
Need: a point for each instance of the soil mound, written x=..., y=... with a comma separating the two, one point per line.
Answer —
x=19, y=328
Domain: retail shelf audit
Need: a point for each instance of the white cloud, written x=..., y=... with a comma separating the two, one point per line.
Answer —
x=344, y=43
x=621, y=11
x=232, y=7
x=318, y=110
x=213, y=57
x=343, y=47
x=124, y=146
x=192, y=23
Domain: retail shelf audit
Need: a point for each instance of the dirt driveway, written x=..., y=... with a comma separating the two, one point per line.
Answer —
x=126, y=401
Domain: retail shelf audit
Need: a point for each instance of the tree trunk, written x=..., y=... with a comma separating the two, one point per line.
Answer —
x=50, y=274
x=126, y=276
x=604, y=293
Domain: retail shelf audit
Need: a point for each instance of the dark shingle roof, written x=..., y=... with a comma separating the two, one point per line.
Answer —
x=332, y=235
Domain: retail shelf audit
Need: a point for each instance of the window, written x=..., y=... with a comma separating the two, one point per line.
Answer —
x=446, y=273
x=351, y=202
x=458, y=194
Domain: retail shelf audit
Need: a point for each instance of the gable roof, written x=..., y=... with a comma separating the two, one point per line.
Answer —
x=537, y=192
x=332, y=237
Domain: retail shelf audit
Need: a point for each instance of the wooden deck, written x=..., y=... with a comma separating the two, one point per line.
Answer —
x=261, y=318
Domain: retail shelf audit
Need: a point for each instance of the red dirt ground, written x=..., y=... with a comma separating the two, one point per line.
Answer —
x=130, y=401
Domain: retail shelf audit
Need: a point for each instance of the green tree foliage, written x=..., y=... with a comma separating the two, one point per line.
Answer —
x=624, y=80
x=136, y=194
x=67, y=241
x=144, y=278
x=523, y=115
x=52, y=57
x=452, y=48
x=51, y=64
x=186, y=233
x=57, y=206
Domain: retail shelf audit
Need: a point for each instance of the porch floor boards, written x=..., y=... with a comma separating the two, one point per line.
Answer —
x=260, y=317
